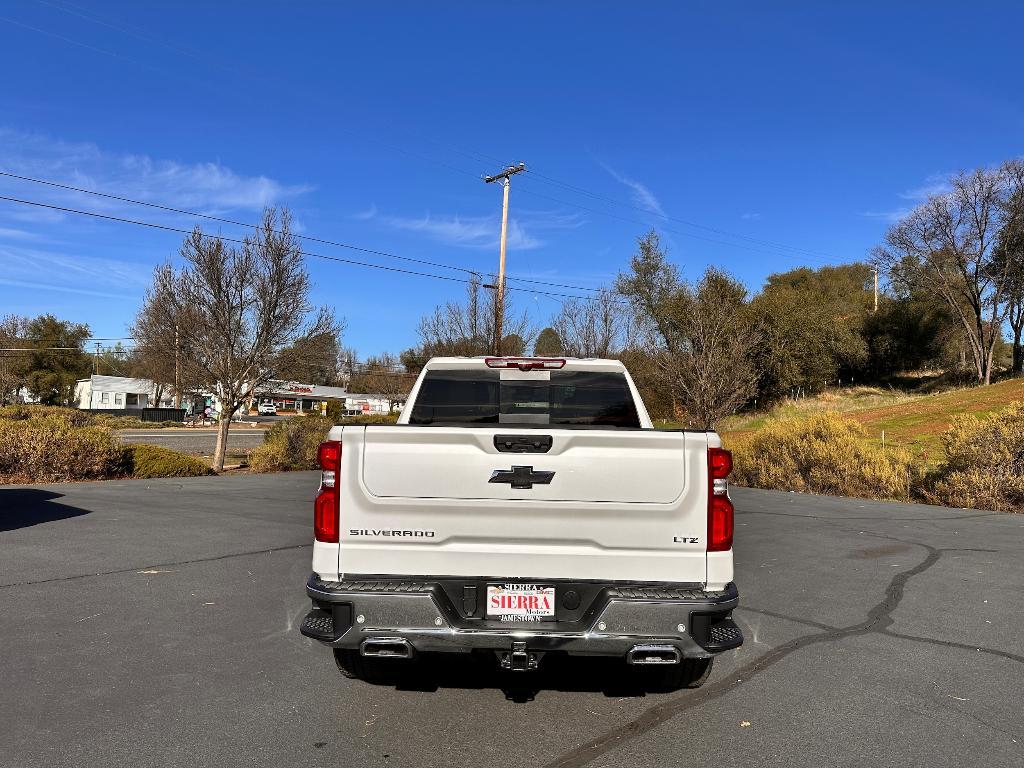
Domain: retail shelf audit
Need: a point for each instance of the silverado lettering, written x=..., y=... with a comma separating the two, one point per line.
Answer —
x=390, y=532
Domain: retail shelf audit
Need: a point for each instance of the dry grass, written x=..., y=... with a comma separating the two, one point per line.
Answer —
x=909, y=420
x=822, y=453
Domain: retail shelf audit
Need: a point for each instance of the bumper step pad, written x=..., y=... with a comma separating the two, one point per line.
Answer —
x=724, y=636
x=318, y=625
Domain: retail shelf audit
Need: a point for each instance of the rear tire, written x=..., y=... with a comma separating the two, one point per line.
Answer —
x=688, y=673
x=355, y=666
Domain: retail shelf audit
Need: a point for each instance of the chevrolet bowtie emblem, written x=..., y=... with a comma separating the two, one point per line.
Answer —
x=521, y=477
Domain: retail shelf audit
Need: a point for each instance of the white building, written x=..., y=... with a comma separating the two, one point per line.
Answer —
x=118, y=393
x=122, y=392
x=367, y=404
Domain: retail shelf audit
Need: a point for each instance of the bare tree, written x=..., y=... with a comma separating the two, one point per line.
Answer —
x=1008, y=259
x=14, y=363
x=595, y=327
x=700, y=339
x=234, y=309
x=466, y=329
x=383, y=376
x=948, y=244
x=716, y=373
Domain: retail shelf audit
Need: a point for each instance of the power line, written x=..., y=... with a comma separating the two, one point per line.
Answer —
x=210, y=217
x=222, y=220
x=352, y=262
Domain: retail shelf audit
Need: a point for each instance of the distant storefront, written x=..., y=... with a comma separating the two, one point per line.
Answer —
x=300, y=398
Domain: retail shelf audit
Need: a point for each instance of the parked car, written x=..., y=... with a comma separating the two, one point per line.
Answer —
x=266, y=409
x=524, y=507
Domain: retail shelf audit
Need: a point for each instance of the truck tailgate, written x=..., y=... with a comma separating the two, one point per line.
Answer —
x=589, y=465
x=446, y=501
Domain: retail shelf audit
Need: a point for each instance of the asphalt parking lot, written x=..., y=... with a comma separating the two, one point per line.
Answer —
x=153, y=623
x=198, y=442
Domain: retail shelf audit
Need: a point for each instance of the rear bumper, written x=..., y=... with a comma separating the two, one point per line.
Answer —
x=614, y=619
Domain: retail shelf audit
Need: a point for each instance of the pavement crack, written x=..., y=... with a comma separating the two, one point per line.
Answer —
x=149, y=566
x=951, y=644
x=878, y=619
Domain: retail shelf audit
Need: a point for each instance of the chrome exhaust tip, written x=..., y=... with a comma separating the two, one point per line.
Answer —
x=387, y=647
x=653, y=654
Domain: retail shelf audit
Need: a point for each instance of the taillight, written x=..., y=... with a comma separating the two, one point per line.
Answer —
x=525, y=363
x=720, y=511
x=326, y=510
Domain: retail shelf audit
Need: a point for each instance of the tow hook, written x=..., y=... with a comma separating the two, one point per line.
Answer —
x=519, y=659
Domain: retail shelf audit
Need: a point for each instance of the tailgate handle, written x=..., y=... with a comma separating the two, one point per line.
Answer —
x=523, y=443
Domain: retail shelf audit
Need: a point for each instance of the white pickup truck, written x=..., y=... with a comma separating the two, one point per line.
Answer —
x=524, y=508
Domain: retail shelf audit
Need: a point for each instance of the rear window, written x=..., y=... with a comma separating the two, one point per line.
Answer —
x=586, y=398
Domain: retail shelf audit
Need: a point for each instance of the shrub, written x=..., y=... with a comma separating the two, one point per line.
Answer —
x=825, y=454
x=49, y=448
x=71, y=416
x=984, y=466
x=120, y=422
x=291, y=444
x=334, y=410
x=370, y=418
x=155, y=461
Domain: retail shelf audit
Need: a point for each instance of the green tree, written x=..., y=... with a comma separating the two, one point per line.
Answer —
x=413, y=359
x=912, y=329
x=548, y=343
x=813, y=322
x=313, y=359
x=57, y=358
x=513, y=345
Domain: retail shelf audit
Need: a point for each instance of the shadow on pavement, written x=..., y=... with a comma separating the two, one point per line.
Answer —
x=22, y=507
x=611, y=677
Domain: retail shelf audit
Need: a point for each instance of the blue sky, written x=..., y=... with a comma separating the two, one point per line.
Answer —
x=729, y=124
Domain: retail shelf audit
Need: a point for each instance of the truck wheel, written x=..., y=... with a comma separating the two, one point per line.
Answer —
x=355, y=666
x=690, y=673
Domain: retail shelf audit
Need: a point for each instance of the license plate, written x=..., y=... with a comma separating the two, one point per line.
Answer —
x=520, y=602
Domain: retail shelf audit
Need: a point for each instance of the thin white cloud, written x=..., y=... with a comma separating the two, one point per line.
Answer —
x=36, y=286
x=934, y=184
x=62, y=270
x=750, y=216
x=892, y=216
x=205, y=186
x=366, y=215
x=641, y=195
x=9, y=233
x=479, y=232
x=466, y=231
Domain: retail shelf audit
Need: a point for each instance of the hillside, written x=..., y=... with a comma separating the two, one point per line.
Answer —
x=915, y=421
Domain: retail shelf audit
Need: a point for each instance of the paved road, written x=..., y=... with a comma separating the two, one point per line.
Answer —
x=152, y=623
x=199, y=442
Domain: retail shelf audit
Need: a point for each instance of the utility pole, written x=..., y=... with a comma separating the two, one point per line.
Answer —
x=499, y=304
x=876, y=289
x=96, y=360
x=177, y=368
